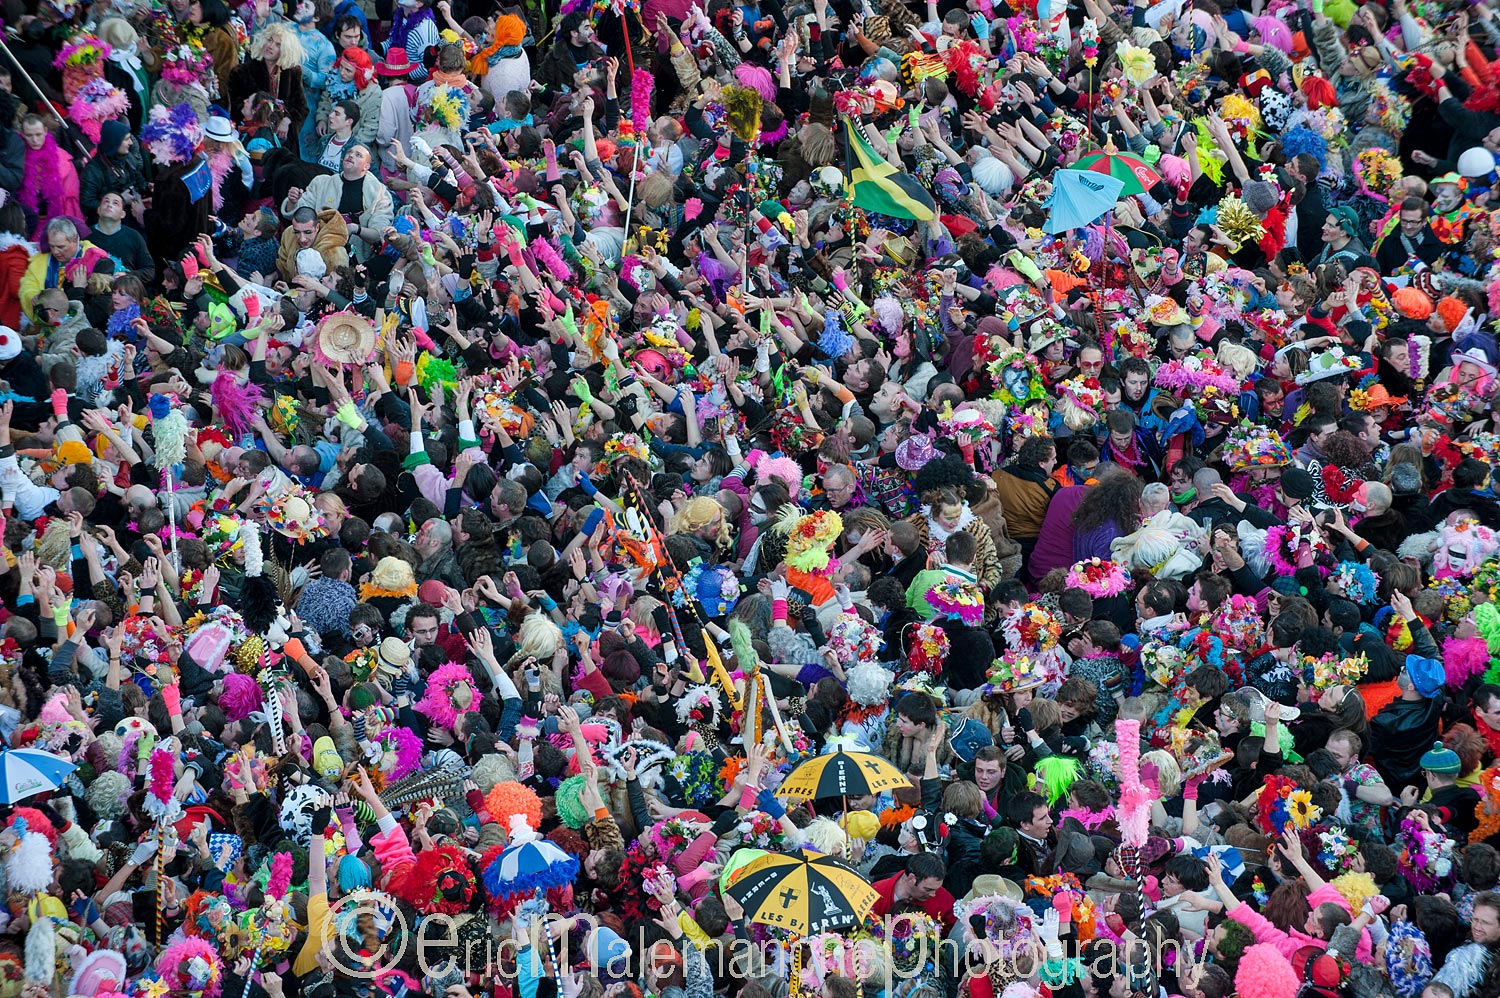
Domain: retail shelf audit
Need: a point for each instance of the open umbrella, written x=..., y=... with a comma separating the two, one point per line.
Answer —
x=1127, y=166
x=1079, y=197
x=840, y=774
x=528, y=864
x=27, y=772
x=804, y=893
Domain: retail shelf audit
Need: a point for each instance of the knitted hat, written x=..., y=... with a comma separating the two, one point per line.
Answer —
x=111, y=134
x=1259, y=196
x=1440, y=759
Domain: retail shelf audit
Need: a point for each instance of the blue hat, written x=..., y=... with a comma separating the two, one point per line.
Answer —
x=1427, y=675
x=1440, y=759
x=968, y=737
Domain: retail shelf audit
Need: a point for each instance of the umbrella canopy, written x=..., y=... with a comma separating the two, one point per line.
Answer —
x=27, y=772
x=804, y=893
x=529, y=864
x=842, y=774
x=1127, y=166
x=1079, y=197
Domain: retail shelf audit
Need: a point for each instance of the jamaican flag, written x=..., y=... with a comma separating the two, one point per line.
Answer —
x=877, y=185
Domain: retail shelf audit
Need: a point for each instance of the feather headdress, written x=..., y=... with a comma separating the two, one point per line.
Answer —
x=450, y=692
x=173, y=134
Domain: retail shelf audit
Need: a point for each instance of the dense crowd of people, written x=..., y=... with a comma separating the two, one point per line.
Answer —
x=483, y=459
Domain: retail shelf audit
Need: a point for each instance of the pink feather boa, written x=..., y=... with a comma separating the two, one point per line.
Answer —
x=162, y=776
x=280, y=881
x=237, y=404
x=408, y=752
x=437, y=705
x=641, y=86
x=46, y=179
x=549, y=258
x=1134, y=811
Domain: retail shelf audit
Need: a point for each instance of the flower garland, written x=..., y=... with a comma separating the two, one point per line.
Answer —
x=1033, y=626
x=1336, y=850
x=810, y=537
x=851, y=639
x=759, y=830
x=1018, y=380
x=697, y=775
x=1194, y=373
x=1099, y=578
x=1284, y=542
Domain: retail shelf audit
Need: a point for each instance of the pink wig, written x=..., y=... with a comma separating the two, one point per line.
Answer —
x=241, y=697
x=1265, y=973
x=784, y=470
x=1274, y=33
x=1464, y=658
x=757, y=79
x=1173, y=169
x=1000, y=278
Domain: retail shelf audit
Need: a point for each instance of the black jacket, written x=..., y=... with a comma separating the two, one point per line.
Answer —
x=1400, y=734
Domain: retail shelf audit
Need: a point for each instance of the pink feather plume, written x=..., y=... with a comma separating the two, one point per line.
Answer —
x=237, y=404
x=641, y=86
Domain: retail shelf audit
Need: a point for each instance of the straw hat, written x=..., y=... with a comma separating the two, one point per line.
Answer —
x=346, y=338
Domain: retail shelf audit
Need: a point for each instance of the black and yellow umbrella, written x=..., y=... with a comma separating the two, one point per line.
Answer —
x=841, y=774
x=804, y=893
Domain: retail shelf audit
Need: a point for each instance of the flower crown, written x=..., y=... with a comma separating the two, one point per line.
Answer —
x=1251, y=446
x=1325, y=672
x=958, y=600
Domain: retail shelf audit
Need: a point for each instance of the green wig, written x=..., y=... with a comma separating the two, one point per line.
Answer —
x=1056, y=775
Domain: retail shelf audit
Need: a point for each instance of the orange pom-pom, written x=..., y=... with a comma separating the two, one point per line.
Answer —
x=510, y=797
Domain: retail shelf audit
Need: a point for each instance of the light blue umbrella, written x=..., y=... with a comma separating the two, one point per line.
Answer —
x=1079, y=197
x=27, y=772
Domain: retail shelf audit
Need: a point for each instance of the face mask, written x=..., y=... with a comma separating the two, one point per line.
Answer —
x=758, y=516
x=1185, y=496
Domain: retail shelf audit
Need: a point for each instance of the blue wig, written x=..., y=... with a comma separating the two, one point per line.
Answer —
x=1299, y=140
x=353, y=874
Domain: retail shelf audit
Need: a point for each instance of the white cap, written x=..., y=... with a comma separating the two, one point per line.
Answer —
x=10, y=343
x=1476, y=162
x=310, y=263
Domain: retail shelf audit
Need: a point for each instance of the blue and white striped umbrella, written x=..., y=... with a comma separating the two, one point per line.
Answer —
x=535, y=865
x=27, y=772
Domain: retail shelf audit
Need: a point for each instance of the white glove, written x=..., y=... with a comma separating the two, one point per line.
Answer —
x=1049, y=930
x=143, y=851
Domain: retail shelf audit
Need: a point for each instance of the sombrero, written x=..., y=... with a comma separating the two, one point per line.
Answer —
x=346, y=338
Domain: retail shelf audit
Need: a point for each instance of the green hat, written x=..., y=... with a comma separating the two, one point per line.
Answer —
x=1440, y=759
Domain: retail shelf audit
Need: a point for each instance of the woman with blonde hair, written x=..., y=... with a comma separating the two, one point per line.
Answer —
x=275, y=68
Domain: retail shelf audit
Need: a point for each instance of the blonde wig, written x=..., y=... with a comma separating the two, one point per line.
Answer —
x=699, y=514
x=292, y=52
